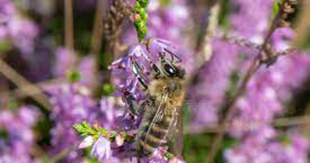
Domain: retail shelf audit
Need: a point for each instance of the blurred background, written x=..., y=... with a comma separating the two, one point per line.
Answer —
x=55, y=71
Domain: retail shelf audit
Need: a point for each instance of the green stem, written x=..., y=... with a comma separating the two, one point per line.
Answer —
x=141, y=18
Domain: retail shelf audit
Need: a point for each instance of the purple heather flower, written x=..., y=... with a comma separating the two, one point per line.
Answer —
x=71, y=103
x=7, y=10
x=281, y=38
x=23, y=31
x=87, y=68
x=20, y=30
x=269, y=89
x=28, y=114
x=65, y=61
x=101, y=148
x=3, y=33
x=265, y=97
x=250, y=21
x=16, y=147
x=110, y=107
x=252, y=151
x=123, y=70
x=171, y=18
x=212, y=83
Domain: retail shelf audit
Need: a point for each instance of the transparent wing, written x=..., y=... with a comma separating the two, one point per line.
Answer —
x=175, y=127
x=177, y=135
x=159, y=114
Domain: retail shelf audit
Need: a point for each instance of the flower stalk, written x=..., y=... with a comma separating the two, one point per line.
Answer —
x=265, y=56
x=85, y=129
x=140, y=18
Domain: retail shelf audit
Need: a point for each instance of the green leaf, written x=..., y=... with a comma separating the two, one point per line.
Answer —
x=78, y=128
x=3, y=133
x=224, y=13
x=168, y=155
x=84, y=129
x=74, y=76
x=89, y=158
x=107, y=89
x=124, y=135
x=165, y=3
x=196, y=147
x=276, y=7
x=227, y=143
x=5, y=45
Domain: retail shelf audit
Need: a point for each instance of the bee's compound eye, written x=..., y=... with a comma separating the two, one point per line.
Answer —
x=170, y=70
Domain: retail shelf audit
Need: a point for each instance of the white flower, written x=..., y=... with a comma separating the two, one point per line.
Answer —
x=119, y=140
x=88, y=141
x=176, y=160
x=101, y=148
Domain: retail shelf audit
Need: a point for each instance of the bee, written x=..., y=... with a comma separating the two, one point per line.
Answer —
x=161, y=110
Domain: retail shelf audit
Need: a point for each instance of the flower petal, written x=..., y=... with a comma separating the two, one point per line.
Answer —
x=88, y=141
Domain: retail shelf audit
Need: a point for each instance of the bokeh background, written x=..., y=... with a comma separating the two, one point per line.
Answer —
x=55, y=71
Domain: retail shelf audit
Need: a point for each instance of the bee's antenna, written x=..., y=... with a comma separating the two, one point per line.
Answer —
x=173, y=55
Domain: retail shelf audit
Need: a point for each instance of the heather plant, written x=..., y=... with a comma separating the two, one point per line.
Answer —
x=72, y=72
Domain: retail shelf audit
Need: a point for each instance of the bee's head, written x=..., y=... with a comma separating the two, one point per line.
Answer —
x=172, y=70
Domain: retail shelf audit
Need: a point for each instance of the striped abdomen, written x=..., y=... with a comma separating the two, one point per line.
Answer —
x=156, y=136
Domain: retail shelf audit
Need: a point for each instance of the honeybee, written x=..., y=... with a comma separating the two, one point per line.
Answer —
x=161, y=122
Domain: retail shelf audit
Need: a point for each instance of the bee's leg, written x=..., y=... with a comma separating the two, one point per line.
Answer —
x=134, y=108
x=139, y=156
x=136, y=69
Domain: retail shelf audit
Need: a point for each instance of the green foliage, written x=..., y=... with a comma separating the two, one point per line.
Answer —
x=5, y=45
x=227, y=143
x=285, y=139
x=196, y=147
x=306, y=43
x=276, y=7
x=74, y=76
x=56, y=26
x=89, y=158
x=83, y=26
x=13, y=104
x=107, y=89
x=141, y=18
x=168, y=155
x=224, y=13
x=165, y=3
x=84, y=129
x=42, y=130
x=234, y=79
x=3, y=134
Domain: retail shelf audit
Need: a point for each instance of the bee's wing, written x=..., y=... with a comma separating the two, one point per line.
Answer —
x=177, y=135
x=175, y=126
x=159, y=114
